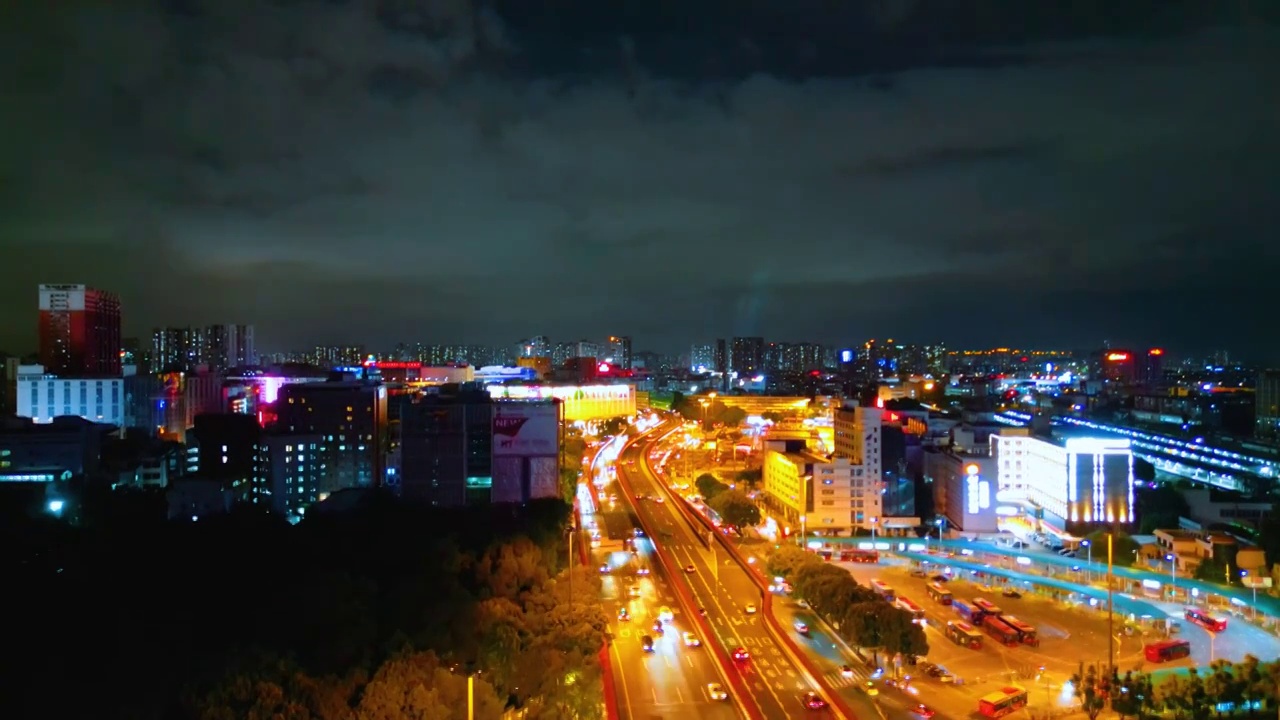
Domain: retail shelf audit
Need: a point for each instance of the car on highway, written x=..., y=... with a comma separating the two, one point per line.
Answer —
x=741, y=655
x=846, y=671
x=923, y=711
x=665, y=614
x=690, y=569
x=802, y=628
x=642, y=571
x=813, y=701
x=716, y=691
x=634, y=591
x=624, y=615
x=940, y=578
x=691, y=640
x=604, y=569
x=1011, y=593
x=657, y=627
x=646, y=643
x=750, y=609
x=870, y=689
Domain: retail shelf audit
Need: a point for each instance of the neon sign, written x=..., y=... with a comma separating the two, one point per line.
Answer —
x=1117, y=357
x=1155, y=352
x=386, y=365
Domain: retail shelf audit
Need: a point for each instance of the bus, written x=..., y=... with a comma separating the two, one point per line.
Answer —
x=1205, y=620
x=917, y=612
x=1003, y=701
x=997, y=628
x=1166, y=650
x=884, y=591
x=1026, y=633
x=982, y=608
x=860, y=556
x=939, y=594
x=964, y=635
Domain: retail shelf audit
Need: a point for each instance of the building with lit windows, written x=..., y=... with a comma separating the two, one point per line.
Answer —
x=42, y=396
x=351, y=418
x=619, y=351
x=581, y=402
x=79, y=330
x=963, y=490
x=290, y=467
x=834, y=494
x=1071, y=483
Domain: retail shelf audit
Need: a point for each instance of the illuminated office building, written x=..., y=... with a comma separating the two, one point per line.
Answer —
x=1072, y=483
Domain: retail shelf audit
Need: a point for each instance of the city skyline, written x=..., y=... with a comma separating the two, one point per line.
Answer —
x=449, y=171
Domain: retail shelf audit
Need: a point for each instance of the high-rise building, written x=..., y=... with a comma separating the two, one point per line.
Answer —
x=747, y=356
x=351, y=417
x=79, y=331
x=702, y=358
x=1267, y=405
x=228, y=346
x=176, y=349
x=619, y=354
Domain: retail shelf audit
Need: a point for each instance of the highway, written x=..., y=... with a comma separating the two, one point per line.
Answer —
x=724, y=590
x=671, y=682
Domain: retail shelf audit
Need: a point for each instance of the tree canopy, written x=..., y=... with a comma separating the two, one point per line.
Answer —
x=858, y=614
x=709, y=486
x=736, y=508
x=378, y=612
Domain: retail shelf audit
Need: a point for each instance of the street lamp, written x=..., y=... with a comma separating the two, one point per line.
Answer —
x=1173, y=572
x=804, y=531
x=1254, y=607
x=1088, y=549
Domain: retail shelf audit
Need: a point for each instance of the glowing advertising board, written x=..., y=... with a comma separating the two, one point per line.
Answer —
x=526, y=429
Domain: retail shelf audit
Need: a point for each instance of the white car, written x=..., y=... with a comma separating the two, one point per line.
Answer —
x=634, y=591
x=691, y=640
x=716, y=691
x=750, y=608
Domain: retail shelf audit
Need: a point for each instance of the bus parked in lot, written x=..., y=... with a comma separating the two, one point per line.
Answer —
x=1003, y=701
x=939, y=594
x=1166, y=650
x=964, y=635
x=1026, y=633
x=883, y=590
x=917, y=612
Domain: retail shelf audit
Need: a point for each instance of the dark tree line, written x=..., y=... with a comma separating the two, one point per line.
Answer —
x=860, y=616
x=1224, y=689
x=376, y=612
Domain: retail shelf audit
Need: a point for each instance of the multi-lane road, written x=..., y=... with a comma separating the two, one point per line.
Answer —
x=673, y=682
x=728, y=596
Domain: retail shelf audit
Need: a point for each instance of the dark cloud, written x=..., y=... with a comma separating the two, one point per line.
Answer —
x=429, y=170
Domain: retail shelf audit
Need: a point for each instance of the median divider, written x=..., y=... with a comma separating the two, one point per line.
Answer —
x=739, y=687
x=783, y=638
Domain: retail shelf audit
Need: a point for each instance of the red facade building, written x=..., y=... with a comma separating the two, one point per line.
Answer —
x=79, y=331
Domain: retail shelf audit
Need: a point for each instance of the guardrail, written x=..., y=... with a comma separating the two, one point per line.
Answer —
x=744, y=698
x=783, y=638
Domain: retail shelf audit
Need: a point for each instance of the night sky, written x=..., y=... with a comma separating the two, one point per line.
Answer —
x=451, y=171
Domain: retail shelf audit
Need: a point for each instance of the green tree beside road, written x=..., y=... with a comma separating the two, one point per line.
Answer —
x=858, y=615
x=709, y=486
x=735, y=508
x=1124, y=549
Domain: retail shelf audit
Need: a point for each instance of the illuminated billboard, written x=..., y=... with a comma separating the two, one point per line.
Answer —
x=526, y=451
x=581, y=402
x=1118, y=357
x=526, y=429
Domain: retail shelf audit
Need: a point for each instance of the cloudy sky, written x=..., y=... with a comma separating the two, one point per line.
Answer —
x=447, y=170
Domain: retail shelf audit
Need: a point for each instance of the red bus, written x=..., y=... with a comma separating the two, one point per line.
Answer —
x=1003, y=701
x=997, y=628
x=860, y=556
x=883, y=590
x=1205, y=620
x=964, y=635
x=917, y=612
x=1166, y=650
x=939, y=594
x=1026, y=633
x=982, y=608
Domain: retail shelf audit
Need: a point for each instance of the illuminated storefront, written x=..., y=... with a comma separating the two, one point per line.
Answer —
x=581, y=402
